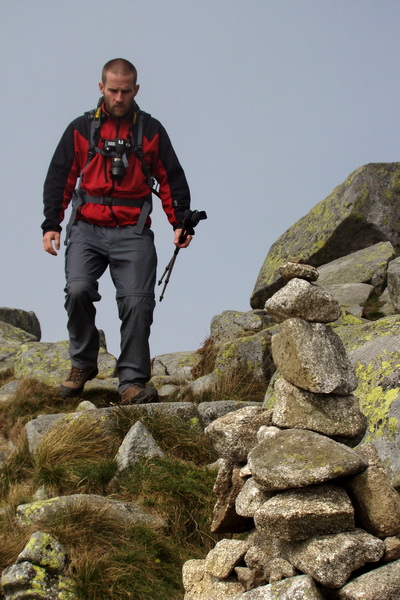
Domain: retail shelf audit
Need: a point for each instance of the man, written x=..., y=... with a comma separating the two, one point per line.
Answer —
x=107, y=159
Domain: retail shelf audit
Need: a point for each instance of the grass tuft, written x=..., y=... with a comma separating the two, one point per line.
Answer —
x=75, y=456
x=208, y=354
x=32, y=398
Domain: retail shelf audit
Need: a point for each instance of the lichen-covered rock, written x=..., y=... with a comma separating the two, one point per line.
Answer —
x=25, y=580
x=44, y=550
x=178, y=365
x=50, y=362
x=232, y=324
x=23, y=319
x=301, y=587
x=300, y=514
x=11, y=339
x=235, y=434
x=304, y=300
x=312, y=356
x=294, y=458
x=330, y=414
x=250, y=355
x=373, y=349
x=360, y=212
x=368, y=265
x=131, y=514
x=331, y=559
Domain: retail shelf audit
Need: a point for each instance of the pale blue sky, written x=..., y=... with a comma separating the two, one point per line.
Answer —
x=269, y=103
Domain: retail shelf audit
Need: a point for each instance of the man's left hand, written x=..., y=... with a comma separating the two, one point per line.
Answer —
x=179, y=244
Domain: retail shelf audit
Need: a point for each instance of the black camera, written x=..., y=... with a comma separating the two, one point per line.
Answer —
x=117, y=149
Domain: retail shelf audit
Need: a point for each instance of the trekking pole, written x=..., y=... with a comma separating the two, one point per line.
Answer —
x=191, y=219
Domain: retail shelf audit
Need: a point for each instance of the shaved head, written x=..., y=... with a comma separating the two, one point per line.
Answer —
x=119, y=66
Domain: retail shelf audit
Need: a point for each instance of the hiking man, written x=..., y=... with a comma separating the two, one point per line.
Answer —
x=107, y=160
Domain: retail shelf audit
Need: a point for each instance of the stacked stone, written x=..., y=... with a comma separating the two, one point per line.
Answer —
x=321, y=510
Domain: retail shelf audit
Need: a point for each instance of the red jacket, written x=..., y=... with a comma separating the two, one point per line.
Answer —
x=71, y=157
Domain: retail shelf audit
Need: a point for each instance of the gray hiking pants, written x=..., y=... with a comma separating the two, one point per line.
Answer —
x=132, y=261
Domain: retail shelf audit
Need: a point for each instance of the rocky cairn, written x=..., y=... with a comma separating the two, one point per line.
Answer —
x=317, y=518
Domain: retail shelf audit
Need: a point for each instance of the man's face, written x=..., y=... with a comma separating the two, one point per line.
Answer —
x=119, y=92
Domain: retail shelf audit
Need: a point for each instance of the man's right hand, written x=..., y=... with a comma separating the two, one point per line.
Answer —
x=48, y=239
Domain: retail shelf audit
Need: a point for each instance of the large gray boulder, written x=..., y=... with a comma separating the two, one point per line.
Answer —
x=376, y=501
x=23, y=319
x=50, y=362
x=177, y=365
x=360, y=212
x=368, y=265
x=232, y=324
x=351, y=296
x=249, y=355
x=373, y=350
x=11, y=339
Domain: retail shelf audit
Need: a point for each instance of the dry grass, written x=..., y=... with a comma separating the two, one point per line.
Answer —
x=208, y=353
x=238, y=384
x=75, y=456
x=14, y=539
x=32, y=398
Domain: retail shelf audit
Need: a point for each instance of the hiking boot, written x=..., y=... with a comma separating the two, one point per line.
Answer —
x=75, y=381
x=137, y=393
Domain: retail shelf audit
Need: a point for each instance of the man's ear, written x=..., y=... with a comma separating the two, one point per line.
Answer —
x=101, y=88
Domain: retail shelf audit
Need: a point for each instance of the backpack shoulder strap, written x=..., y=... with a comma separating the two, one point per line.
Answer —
x=138, y=149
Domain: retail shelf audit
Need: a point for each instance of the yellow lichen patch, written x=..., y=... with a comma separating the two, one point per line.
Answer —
x=375, y=401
